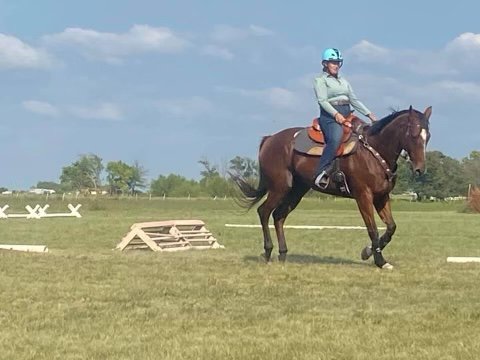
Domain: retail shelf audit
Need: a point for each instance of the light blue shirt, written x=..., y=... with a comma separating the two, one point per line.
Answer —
x=330, y=89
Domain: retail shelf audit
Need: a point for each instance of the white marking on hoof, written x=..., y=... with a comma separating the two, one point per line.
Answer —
x=387, y=266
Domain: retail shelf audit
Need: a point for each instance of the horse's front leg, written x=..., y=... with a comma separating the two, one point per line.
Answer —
x=382, y=205
x=365, y=205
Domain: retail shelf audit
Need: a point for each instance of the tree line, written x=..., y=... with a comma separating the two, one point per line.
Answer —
x=445, y=177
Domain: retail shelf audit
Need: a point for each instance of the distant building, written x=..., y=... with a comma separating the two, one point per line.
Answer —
x=41, y=191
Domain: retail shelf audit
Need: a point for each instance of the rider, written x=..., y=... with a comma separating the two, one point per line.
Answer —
x=334, y=95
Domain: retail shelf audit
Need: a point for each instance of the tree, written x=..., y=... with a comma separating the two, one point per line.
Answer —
x=405, y=180
x=212, y=183
x=118, y=175
x=137, y=179
x=244, y=167
x=210, y=170
x=83, y=173
x=174, y=186
x=471, y=166
x=125, y=178
x=444, y=177
x=49, y=185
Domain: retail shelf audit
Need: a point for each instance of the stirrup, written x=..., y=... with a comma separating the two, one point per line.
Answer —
x=322, y=180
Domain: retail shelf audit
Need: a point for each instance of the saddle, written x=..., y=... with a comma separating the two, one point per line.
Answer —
x=310, y=140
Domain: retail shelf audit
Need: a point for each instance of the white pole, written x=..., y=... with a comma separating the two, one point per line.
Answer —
x=28, y=248
x=460, y=259
x=307, y=227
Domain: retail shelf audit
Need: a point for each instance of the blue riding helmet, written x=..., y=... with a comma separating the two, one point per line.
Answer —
x=332, y=54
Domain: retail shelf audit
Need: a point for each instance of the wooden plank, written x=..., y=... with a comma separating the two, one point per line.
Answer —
x=196, y=235
x=126, y=240
x=151, y=244
x=168, y=223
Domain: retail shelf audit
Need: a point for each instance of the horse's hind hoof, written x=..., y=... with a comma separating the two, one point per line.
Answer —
x=366, y=253
x=265, y=258
x=282, y=258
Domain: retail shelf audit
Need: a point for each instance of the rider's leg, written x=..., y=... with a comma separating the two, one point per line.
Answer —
x=332, y=131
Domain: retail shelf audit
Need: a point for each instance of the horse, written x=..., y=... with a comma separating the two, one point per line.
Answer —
x=285, y=176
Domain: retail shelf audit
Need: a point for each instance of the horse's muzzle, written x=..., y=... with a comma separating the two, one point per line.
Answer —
x=419, y=171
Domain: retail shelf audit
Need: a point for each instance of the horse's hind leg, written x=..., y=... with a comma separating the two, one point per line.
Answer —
x=274, y=198
x=280, y=214
x=382, y=205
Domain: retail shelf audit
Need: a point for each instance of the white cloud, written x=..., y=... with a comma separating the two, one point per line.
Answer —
x=418, y=62
x=228, y=34
x=184, y=108
x=260, y=31
x=466, y=41
x=366, y=51
x=277, y=97
x=40, y=107
x=14, y=53
x=103, y=111
x=218, y=51
x=112, y=47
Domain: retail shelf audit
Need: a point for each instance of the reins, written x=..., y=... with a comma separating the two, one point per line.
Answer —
x=358, y=131
x=390, y=174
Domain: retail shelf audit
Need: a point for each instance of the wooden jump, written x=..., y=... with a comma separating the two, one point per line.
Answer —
x=172, y=235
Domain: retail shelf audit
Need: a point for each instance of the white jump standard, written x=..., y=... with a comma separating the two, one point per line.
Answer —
x=39, y=212
x=42, y=212
x=32, y=213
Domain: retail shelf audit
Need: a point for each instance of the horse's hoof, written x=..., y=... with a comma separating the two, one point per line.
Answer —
x=387, y=266
x=265, y=258
x=282, y=258
x=366, y=253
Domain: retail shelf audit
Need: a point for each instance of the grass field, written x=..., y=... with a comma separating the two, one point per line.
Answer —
x=83, y=300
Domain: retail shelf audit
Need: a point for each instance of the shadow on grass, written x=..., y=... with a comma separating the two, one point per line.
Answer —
x=309, y=259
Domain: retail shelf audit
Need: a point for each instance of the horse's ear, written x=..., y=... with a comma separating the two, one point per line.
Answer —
x=427, y=113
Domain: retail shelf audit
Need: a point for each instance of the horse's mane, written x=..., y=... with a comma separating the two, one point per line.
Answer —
x=380, y=124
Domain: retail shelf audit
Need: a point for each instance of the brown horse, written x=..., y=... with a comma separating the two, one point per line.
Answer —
x=286, y=175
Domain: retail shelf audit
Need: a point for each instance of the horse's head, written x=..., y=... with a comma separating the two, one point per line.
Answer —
x=416, y=138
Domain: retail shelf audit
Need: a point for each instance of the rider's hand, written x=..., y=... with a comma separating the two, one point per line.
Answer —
x=339, y=118
x=372, y=117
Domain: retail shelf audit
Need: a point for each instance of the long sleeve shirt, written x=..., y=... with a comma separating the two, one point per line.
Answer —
x=331, y=89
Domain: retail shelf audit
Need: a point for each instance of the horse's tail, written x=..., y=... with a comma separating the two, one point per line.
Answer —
x=251, y=195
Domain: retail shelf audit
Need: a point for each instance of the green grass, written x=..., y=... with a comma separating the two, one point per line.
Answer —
x=83, y=300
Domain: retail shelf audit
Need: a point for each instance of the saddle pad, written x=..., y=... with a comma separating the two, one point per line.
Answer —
x=305, y=145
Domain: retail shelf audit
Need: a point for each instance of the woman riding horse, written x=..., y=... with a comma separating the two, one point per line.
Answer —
x=334, y=95
x=286, y=176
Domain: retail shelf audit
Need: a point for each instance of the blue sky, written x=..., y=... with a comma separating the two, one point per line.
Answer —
x=168, y=83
